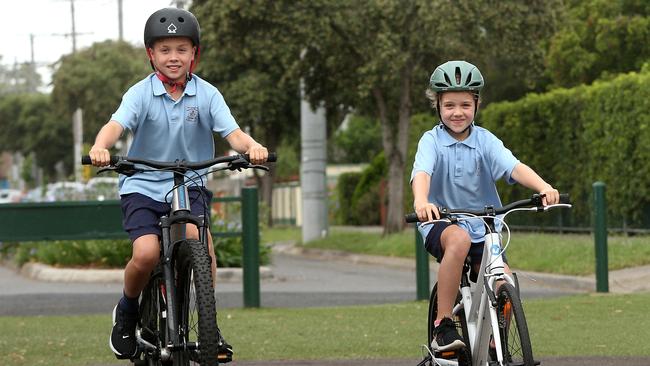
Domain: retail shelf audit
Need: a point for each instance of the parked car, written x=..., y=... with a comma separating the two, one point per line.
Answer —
x=65, y=191
x=8, y=195
x=102, y=188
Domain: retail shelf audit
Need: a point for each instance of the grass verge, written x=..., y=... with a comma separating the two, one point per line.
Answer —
x=567, y=326
x=571, y=254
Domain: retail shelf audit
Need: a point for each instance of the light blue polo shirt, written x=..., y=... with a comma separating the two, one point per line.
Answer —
x=463, y=173
x=165, y=130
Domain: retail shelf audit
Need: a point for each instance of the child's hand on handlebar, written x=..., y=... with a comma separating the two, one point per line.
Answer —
x=257, y=154
x=100, y=156
x=550, y=196
x=426, y=211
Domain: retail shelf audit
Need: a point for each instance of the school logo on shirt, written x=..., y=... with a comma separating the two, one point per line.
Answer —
x=192, y=114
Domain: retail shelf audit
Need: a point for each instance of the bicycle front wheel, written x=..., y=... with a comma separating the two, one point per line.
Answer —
x=515, y=340
x=196, y=305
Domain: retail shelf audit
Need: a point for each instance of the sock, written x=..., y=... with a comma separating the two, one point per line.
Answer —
x=436, y=323
x=128, y=304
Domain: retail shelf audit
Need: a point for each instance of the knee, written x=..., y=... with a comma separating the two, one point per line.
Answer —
x=457, y=244
x=146, y=258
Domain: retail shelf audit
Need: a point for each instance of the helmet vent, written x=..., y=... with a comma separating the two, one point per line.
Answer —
x=457, y=75
x=180, y=19
x=447, y=80
x=469, y=78
x=163, y=19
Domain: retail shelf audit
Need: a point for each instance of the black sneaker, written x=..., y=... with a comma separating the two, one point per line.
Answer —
x=122, y=341
x=224, y=350
x=446, y=338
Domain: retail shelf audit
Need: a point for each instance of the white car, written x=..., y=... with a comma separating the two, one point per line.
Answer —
x=10, y=195
x=102, y=188
x=65, y=191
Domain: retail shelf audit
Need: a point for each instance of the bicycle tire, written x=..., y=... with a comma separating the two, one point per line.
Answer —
x=515, y=340
x=153, y=319
x=196, y=306
x=465, y=357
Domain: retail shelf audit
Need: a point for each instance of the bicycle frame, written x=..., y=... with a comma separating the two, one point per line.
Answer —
x=479, y=302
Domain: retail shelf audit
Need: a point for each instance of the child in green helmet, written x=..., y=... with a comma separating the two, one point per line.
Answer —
x=457, y=165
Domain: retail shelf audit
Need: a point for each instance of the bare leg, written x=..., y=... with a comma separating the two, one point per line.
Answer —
x=455, y=245
x=146, y=254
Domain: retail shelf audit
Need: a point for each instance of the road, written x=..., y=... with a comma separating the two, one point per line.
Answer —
x=297, y=282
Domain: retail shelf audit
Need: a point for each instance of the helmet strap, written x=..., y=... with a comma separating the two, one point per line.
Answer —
x=173, y=84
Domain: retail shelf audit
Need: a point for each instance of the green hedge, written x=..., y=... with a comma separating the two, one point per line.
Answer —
x=574, y=137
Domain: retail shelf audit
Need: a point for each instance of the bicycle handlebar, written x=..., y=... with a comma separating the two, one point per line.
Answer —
x=534, y=201
x=115, y=159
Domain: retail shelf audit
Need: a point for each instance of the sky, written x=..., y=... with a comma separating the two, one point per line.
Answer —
x=48, y=20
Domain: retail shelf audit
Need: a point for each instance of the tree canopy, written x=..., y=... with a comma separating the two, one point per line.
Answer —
x=599, y=38
x=94, y=79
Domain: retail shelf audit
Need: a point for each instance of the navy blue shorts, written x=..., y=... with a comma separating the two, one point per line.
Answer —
x=434, y=247
x=141, y=214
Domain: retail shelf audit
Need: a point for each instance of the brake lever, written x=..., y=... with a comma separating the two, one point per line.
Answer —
x=121, y=167
x=261, y=167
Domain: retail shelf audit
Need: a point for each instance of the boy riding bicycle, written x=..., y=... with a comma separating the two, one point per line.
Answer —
x=456, y=165
x=172, y=114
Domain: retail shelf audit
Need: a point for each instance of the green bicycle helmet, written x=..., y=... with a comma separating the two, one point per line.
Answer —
x=456, y=76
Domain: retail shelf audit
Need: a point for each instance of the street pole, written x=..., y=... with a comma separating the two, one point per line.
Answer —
x=313, y=133
x=77, y=133
x=120, y=23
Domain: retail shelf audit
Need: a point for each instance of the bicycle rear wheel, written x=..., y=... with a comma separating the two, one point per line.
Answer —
x=515, y=340
x=196, y=305
x=153, y=319
x=464, y=357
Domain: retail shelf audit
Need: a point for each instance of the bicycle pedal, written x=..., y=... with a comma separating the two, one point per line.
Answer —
x=224, y=357
x=447, y=354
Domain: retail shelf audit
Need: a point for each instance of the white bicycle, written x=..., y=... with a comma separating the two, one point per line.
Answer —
x=491, y=320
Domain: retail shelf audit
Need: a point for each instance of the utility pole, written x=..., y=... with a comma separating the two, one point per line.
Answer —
x=120, y=20
x=180, y=3
x=313, y=133
x=31, y=46
x=74, y=31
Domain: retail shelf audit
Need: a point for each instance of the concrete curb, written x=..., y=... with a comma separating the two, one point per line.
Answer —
x=43, y=272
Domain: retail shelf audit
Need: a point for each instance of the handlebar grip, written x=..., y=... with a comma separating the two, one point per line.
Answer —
x=564, y=198
x=85, y=159
x=412, y=217
x=271, y=158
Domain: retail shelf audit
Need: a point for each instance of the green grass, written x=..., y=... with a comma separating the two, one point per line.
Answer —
x=571, y=254
x=612, y=325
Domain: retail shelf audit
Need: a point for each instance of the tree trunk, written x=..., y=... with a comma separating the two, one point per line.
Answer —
x=395, y=143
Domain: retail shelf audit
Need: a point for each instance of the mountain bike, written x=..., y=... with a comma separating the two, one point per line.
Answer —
x=488, y=312
x=178, y=318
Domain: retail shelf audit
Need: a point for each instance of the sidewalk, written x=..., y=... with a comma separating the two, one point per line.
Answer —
x=628, y=280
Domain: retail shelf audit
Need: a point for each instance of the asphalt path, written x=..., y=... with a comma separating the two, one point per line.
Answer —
x=297, y=282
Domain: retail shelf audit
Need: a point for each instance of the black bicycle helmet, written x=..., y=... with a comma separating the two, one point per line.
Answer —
x=171, y=22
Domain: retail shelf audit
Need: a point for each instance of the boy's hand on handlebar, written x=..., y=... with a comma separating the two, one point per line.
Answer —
x=550, y=196
x=426, y=211
x=100, y=156
x=258, y=154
